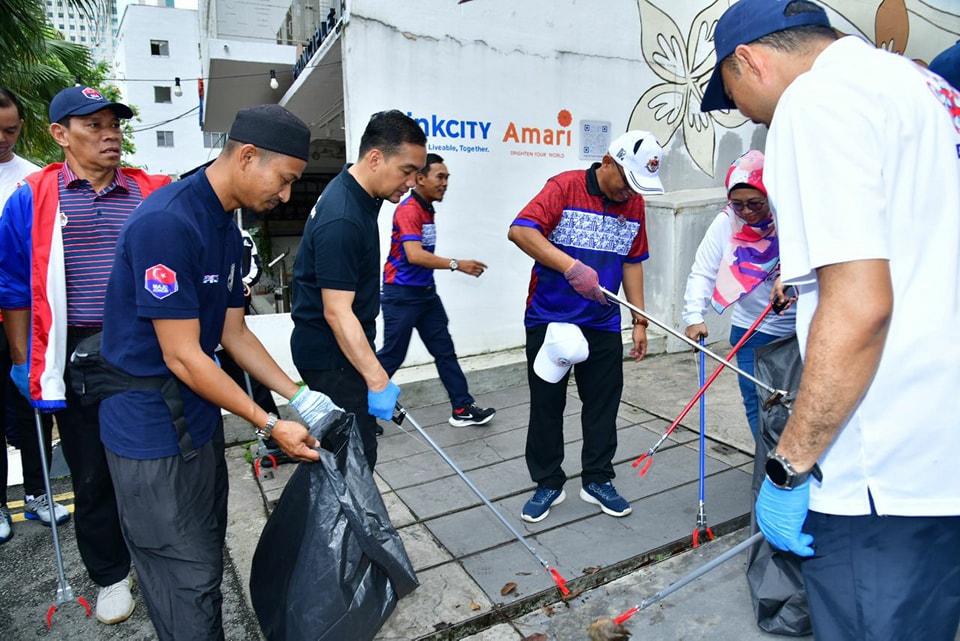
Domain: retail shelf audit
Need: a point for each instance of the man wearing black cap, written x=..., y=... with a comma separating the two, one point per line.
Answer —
x=57, y=238
x=175, y=293
x=864, y=178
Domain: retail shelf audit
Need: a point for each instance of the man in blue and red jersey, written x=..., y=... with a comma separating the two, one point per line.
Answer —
x=585, y=229
x=409, y=299
x=58, y=233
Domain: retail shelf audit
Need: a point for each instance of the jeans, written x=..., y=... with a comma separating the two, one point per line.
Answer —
x=405, y=308
x=745, y=361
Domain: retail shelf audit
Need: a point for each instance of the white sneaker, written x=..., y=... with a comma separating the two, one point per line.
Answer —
x=115, y=603
x=38, y=509
x=6, y=533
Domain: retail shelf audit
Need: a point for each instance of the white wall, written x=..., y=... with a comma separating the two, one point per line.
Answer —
x=140, y=72
x=523, y=64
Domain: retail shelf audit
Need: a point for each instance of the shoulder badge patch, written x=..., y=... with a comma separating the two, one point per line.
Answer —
x=160, y=281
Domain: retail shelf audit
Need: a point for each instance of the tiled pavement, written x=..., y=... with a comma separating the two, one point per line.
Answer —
x=465, y=556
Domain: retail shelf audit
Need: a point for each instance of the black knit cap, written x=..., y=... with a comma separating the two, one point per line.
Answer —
x=273, y=128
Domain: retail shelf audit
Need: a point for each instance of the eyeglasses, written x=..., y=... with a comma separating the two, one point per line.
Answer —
x=753, y=205
x=623, y=177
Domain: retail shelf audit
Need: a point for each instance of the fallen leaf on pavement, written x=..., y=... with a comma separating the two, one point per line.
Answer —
x=508, y=588
x=591, y=570
x=536, y=636
x=474, y=606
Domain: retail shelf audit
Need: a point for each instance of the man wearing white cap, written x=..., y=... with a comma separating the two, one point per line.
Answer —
x=585, y=229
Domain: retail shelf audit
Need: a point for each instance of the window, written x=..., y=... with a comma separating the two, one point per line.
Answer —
x=213, y=139
x=159, y=48
x=161, y=94
x=164, y=139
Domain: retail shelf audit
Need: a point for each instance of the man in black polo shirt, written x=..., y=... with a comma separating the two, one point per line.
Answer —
x=336, y=276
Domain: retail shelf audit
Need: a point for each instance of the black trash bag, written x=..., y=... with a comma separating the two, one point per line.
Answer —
x=329, y=565
x=775, y=578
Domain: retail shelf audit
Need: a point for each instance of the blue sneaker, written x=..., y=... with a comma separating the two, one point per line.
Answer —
x=605, y=495
x=538, y=507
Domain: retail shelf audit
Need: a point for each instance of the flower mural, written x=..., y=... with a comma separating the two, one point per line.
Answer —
x=684, y=64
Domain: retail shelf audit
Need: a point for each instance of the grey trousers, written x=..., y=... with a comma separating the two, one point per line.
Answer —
x=174, y=515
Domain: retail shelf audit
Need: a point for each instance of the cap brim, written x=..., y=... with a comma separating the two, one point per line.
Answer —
x=120, y=109
x=545, y=368
x=648, y=186
x=714, y=97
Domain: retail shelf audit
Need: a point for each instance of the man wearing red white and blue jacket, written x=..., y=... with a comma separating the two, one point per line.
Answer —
x=58, y=233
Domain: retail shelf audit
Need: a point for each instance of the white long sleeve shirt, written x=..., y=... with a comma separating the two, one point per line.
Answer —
x=703, y=276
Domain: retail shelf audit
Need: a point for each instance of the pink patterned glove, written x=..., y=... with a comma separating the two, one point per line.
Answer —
x=585, y=282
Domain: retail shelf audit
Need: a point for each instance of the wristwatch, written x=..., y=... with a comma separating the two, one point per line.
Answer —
x=782, y=474
x=454, y=265
x=265, y=431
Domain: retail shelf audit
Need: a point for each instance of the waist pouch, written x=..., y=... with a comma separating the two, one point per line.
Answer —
x=93, y=379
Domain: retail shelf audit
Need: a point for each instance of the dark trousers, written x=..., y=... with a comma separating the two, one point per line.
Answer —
x=878, y=578
x=96, y=522
x=407, y=308
x=17, y=409
x=599, y=384
x=174, y=516
x=346, y=388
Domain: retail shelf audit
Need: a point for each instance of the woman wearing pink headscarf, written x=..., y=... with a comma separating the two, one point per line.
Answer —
x=738, y=262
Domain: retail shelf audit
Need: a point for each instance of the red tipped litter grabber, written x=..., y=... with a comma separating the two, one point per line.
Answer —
x=610, y=629
x=559, y=580
x=778, y=396
x=64, y=591
x=702, y=528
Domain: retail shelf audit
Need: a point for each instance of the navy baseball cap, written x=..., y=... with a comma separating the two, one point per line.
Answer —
x=80, y=101
x=744, y=22
x=947, y=65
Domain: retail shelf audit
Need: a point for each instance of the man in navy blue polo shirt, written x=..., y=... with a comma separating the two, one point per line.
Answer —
x=410, y=297
x=336, y=276
x=57, y=238
x=175, y=293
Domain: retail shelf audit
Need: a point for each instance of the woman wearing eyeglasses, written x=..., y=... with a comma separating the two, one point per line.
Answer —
x=738, y=262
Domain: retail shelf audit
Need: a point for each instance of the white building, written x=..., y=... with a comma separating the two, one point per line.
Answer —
x=95, y=30
x=486, y=79
x=157, y=66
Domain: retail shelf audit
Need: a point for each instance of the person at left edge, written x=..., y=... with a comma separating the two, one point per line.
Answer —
x=174, y=294
x=57, y=238
x=336, y=276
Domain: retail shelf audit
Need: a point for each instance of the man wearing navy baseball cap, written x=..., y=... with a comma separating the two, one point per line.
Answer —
x=57, y=239
x=81, y=101
x=862, y=483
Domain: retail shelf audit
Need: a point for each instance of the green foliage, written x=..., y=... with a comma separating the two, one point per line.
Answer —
x=35, y=63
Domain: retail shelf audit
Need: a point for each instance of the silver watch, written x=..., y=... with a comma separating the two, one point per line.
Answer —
x=265, y=431
x=454, y=265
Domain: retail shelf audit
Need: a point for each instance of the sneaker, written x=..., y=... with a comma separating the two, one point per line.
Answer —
x=605, y=495
x=6, y=531
x=378, y=430
x=38, y=509
x=472, y=415
x=538, y=507
x=115, y=603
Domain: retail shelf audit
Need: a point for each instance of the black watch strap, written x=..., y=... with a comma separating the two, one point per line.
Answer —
x=782, y=473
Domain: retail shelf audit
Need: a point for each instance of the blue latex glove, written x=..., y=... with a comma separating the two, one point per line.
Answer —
x=382, y=404
x=20, y=375
x=781, y=514
x=312, y=406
